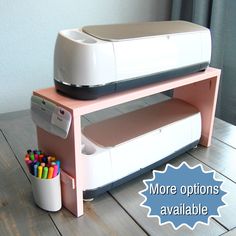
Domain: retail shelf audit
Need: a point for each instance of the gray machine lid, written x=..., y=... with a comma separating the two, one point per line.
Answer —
x=119, y=32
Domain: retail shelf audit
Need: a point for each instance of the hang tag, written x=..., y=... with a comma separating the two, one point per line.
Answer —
x=50, y=117
x=61, y=118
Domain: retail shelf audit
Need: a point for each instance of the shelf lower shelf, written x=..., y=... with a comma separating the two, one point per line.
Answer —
x=123, y=147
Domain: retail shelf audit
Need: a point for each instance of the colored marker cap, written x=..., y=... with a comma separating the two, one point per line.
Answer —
x=40, y=171
x=50, y=172
x=42, y=164
x=55, y=171
x=58, y=164
x=35, y=170
x=32, y=157
x=45, y=173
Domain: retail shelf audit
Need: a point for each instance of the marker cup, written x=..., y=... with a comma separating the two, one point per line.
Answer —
x=47, y=192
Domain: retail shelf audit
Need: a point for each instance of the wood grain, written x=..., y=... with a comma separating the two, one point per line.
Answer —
x=225, y=132
x=230, y=233
x=102, y=115
x=18, y=213
x=103, y=216
x=219, y=157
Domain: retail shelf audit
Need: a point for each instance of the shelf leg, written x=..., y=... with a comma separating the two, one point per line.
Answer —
x=202, y=95
x=68, y=151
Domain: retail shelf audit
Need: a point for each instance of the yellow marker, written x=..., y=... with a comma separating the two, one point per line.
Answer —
x=53, y=159
x=40, y=170
x=50, y=172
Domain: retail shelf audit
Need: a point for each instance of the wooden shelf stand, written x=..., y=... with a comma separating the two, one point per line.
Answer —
x=199, y=89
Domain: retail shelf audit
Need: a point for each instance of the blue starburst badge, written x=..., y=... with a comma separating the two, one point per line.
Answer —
x=183, y=195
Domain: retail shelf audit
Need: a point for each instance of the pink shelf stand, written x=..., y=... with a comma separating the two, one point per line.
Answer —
x=199, y=89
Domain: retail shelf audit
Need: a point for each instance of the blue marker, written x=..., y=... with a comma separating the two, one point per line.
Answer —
x=32, y=167
x=36, y=170
x=44, y=159
x=58, y=164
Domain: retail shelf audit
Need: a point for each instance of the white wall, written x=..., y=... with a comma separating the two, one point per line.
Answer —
x=29, y=29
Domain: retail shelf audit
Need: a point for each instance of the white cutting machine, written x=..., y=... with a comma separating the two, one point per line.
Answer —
x=102, y=59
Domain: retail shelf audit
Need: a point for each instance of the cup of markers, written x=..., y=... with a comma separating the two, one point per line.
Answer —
x=45, y=179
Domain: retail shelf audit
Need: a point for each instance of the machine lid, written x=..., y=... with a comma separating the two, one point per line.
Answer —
x=119, y=32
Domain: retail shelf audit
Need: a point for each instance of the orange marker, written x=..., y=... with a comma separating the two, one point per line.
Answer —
x=50, y=172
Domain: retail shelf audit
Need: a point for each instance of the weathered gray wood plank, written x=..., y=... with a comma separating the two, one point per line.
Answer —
x=228, y=213
x=102, y=115
x=159, y=97
x=18, y=213
x=102, y=216
x=127, y=195
x=131, y=106
x=222, y=158
x=124, y=108
x=230, y=233
x=219, y=157
x=225, y=132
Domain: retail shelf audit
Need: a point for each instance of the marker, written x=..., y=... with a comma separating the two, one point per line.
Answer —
x=49, y=160
x=53, y=158
x=36, y=157
x=50, y=172
x=32, y=157
x=40, y=157
x=35, y=170
x=55, y=171
x=45, y=172
x=42, y=164
x=40, y=170
x=29, y=164
x=32, y=167
x=44, y=159
x=29, y=151
x=58, y=164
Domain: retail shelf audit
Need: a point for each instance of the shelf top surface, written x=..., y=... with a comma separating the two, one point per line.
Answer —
x=85, y=107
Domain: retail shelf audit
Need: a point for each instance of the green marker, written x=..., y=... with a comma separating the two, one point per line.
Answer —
x=45, y=173
x=32, y=157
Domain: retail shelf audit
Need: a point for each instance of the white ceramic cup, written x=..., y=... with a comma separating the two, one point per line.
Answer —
x=47, y=192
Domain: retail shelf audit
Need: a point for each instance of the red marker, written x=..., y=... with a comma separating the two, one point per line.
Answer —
x=28, y=163
x=40, y=158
